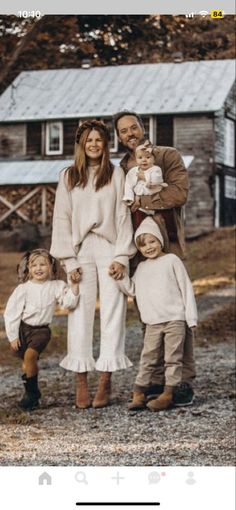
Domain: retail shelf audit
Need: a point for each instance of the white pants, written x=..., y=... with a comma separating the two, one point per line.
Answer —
x=95, y=257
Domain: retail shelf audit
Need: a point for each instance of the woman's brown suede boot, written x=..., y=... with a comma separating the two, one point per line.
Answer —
x=139, y=401
x=164, y=400
x=82, y=396
x=102, y=396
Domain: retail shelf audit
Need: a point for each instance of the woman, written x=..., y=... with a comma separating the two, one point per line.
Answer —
x=92, y=231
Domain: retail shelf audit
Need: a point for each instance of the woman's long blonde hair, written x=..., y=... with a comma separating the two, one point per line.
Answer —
x=77, y=174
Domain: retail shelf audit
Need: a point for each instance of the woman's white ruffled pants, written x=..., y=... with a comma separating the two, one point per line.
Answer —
x=95, y=257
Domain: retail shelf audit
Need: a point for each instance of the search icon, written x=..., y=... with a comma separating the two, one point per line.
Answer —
x=81, y=477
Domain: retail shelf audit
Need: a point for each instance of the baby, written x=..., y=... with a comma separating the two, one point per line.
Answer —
x=29, y=312
x=145, y=178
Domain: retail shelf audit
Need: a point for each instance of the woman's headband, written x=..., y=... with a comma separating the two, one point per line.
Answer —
x=92, y=124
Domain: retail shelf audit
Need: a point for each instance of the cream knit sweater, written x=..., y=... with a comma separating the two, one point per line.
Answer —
x=84, y=210
x=163, y=291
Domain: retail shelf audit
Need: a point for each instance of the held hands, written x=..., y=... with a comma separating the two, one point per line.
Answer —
x=116, y=271
x=75, y=277
x=15, y=345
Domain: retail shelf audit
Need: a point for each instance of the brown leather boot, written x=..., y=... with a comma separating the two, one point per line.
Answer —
x=82, y=396
x=103, y=393
x=164, y=401
x=139, y=401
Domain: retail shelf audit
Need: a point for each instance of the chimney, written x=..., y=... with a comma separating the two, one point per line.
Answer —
x=178, y=57
x=86, y=63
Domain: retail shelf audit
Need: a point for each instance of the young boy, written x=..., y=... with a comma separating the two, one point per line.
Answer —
x=29, y=312
x=152, y=181
x=166, y=303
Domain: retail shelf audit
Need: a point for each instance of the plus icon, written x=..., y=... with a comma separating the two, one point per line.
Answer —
x=118, y=478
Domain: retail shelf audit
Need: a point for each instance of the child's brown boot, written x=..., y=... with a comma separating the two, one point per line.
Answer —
x=139, y=401
x=103, y=393
x=164, y=401
x=82, y=396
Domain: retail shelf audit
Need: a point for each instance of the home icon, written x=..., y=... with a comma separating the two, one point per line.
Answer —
x=45, y=479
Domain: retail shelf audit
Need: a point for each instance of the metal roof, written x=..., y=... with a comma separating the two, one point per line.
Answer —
x=42, y=172
x=101, y=91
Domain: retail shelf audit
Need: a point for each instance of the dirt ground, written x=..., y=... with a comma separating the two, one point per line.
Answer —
x=59, y=434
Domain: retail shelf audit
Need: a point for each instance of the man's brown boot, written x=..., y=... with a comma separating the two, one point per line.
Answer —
x=103, y=393
x=164, y=401
x=82, y=396
x=139, y=401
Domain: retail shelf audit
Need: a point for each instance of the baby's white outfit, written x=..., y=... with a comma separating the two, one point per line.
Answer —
x=133, y=186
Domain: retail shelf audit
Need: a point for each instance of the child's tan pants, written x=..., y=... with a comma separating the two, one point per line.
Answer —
x=172, y=335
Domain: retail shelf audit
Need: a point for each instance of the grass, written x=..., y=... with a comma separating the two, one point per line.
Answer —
x=211, y=260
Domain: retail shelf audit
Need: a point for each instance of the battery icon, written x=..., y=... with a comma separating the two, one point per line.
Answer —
x=217, y=14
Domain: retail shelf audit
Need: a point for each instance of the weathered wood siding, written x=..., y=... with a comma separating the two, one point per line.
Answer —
x=193, y=135
x=225, y=167
x=228, y=111
x=12, y=140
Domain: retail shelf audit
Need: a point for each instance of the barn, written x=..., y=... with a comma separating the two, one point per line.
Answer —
x=188, y=105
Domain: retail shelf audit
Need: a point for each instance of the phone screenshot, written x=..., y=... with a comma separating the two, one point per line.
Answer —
x=117, y=255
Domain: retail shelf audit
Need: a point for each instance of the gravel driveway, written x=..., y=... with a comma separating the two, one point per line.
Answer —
x=59, y=434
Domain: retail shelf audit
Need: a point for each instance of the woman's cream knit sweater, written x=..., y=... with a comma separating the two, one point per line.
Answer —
x=84, y=210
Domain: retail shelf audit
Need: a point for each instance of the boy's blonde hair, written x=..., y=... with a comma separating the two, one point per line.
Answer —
x=23, y=268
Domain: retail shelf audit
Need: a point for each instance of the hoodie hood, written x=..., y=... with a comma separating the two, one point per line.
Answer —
x=149, y=226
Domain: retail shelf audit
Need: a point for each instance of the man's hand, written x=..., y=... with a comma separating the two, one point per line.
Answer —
x=15, y=345
x=75, y=276
x=116, y=270
x=136, y=204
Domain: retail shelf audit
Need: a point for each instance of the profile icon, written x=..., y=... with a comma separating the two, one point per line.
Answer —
x=190, y=480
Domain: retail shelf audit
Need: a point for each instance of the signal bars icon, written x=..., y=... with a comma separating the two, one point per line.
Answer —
x=190, y=15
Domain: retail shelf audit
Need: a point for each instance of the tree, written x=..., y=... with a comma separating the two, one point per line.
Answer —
x=55, y=42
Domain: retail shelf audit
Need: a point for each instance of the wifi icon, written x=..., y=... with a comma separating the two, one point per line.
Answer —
x=203, y=13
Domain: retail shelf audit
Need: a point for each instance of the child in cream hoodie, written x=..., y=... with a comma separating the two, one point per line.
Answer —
x=166, y=303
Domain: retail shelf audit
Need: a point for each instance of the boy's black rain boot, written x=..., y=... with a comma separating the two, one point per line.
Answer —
x=32, y=394
x=153, y=391
x=183, y=395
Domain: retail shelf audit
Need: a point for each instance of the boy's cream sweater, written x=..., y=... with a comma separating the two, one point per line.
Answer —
x=84, y=210
x=163, y=291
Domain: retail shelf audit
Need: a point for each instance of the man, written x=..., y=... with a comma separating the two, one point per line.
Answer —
x=169, y=216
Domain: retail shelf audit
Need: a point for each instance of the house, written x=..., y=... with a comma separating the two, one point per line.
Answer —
x=45, y=479
x=188, y=105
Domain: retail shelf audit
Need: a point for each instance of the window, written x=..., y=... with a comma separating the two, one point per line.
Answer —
x=113, y=136
x=148, y=128
x=229, y=146
x=54, y=138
